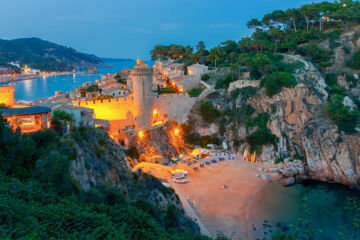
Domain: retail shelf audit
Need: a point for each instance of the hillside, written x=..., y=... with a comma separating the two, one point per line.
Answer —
x=78, y=186
x=44, y=55
x=303, y=115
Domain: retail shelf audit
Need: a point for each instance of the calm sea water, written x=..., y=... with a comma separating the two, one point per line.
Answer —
x=321, y=205
x=44, y=87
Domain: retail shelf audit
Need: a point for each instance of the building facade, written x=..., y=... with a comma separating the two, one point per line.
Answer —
x=29, y=119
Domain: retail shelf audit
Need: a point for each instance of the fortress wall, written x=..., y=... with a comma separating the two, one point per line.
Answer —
x=110, y=109
x=242, y=84
x=189, y=84
x=176, y=106
x=7, y=96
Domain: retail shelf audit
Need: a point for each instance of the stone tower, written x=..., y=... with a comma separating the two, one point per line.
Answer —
x=141, y=76
x=7, y=96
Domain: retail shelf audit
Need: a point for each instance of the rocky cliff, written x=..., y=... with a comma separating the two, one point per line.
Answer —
x=308, y=143
x=160, y=144
x=99, y=161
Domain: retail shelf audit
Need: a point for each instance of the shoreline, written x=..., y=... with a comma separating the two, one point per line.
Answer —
x=205, y=198
x=20, y=78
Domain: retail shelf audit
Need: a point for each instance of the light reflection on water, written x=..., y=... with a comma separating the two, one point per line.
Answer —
x=44, y=87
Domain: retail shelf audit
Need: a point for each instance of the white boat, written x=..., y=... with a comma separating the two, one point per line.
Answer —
x=179, y=176
x=179, y=171
x=181, y=181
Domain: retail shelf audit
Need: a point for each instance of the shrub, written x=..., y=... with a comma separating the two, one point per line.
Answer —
x=166, y=90
x=279, y=160
x=205, y=77
x=346, y=50
x=330, y=79
x=316, y=54
x=245, y=93
x=274, y=82
x=195, y=92
x=344, y=118
x=255, y=74
x=260, y=137
x=224, y=83
x=352, y=80
x=132, y=152
x=235, y=93
x=59, y=114
x=356, y=60
x=208, y=112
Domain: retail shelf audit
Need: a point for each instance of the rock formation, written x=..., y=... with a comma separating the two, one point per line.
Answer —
x=309, y=145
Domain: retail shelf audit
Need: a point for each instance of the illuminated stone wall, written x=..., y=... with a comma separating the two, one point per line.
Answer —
x=110, y=109
x=7, y=96
x=176, y=106
x=121, y=111
x=142, y=85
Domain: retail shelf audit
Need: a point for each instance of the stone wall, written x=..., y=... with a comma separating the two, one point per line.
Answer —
x=242, y=84
x=109, y=109
x=81, y=115
x=176, y=106
x=121, y=111
x=189, y=83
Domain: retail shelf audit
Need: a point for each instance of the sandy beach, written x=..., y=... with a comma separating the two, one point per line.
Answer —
x=229, y=211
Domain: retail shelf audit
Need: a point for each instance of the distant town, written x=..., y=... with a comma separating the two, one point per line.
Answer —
x=115, y=101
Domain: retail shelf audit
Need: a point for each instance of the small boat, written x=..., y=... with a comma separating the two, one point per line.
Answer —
x=181, y=181
x=179, y=171
x=179, y=176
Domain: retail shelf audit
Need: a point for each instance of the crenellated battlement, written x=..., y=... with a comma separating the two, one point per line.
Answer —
x=141, y=72
x=109, y=109
x=125, y=99
x=8, y=89
x=173, y=96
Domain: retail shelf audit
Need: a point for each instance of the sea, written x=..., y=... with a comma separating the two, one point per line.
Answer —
x=44, y=87
x=312, y=210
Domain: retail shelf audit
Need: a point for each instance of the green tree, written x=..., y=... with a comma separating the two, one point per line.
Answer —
x=345, y=118
x=293, y=15
x=208, y=112
x=254, y=23
x=310, y=12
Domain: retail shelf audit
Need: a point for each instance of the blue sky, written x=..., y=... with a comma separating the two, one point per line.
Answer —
x=129, y=29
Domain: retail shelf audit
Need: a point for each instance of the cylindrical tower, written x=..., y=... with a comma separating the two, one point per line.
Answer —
x=141, y=76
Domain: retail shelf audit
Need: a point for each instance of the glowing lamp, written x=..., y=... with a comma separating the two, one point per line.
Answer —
x=155, y=111
x=181, y=90
x=344, y=5
x=176, y=131
x=141, y=134
x=173, y=83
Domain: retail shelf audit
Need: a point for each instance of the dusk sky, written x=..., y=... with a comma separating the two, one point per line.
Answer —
x=130, y=29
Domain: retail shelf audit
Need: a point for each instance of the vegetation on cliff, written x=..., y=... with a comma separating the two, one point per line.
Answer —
x=315, y=31
x=44, y=55
x=40, y=199
x=279, y=31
